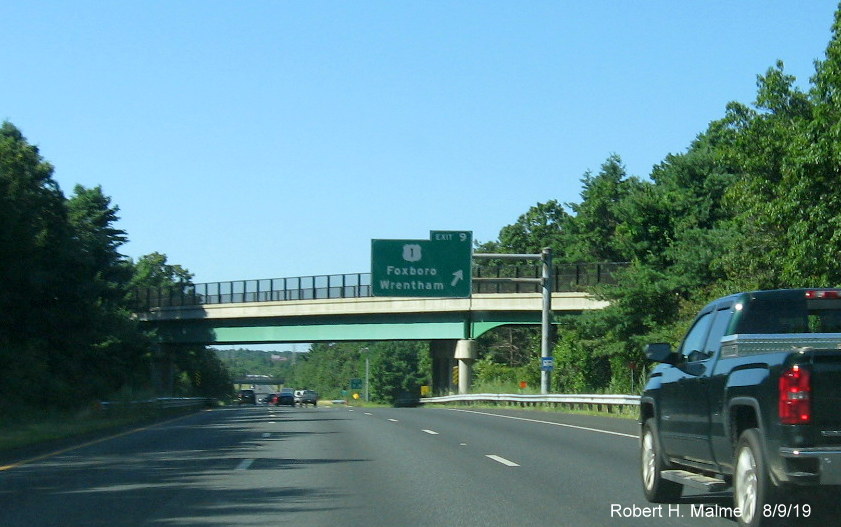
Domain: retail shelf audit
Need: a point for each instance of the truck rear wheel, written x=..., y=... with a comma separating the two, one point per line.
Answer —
x=657, y=489
x=752, y=485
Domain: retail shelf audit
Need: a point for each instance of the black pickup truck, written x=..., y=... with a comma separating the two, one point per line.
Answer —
x=750, y=400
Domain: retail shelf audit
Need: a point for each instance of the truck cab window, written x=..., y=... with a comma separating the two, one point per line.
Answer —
x=774, y=317
x=717, y=330
x=695, y=339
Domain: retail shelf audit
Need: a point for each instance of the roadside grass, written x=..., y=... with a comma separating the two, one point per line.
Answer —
x=504, y=387
x=36, y=426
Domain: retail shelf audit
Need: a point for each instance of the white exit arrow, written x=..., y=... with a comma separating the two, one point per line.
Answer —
x=458, y=275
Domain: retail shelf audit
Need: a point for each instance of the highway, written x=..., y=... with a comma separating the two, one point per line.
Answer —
x=339, y=466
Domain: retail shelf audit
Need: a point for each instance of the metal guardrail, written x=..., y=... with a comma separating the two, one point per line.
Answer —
x=565, y=278
x=580, y=401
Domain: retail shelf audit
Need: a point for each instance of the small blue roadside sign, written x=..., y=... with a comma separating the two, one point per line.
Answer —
x=547, y=363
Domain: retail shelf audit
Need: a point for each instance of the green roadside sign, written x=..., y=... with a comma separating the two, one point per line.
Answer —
x=437, y=267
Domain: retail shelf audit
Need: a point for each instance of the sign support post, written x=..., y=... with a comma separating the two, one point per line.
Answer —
x=547, y=361
x=545, y=256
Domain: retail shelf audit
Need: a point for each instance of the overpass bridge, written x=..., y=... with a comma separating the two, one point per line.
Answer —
x=334, y=308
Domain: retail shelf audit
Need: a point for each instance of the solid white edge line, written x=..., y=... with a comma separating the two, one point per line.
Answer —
x=550, y=423
x=431, y=432
x=502, y=460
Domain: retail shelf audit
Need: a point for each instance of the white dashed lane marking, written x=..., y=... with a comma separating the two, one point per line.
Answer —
x=502, y=460
x=498, y=459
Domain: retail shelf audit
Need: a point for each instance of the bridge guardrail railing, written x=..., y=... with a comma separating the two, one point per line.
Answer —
x=565, y=278
x=599, y=402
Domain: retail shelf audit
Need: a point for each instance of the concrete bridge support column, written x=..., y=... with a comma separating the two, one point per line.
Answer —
x=465, y=355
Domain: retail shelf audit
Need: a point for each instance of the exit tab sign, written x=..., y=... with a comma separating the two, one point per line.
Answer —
x=437, y=267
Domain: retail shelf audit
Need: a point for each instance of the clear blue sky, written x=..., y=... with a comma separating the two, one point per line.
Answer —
x=259, y=139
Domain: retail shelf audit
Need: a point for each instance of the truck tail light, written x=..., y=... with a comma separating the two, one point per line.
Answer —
x=795, y=396
x=823, y=294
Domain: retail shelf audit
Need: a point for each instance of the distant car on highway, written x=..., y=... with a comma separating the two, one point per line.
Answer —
x=286, y=397
x=246, y=397
x=269, y=398
x=305, y=397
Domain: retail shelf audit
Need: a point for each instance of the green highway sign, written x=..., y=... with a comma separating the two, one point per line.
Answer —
x=437, y=267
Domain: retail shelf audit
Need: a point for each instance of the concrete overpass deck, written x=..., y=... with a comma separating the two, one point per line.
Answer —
x=356, y=319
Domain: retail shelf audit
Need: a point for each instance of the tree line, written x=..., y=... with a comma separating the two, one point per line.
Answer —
x=67, y=335
x=753, y=203
x=394, y=368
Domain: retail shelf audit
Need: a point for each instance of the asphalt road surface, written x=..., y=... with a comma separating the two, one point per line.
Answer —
x=347, y=467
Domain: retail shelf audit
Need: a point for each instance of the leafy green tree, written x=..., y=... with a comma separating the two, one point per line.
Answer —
x=65, y=306
x=768, y=146
x=242, y=362
x=153, y=270
x=201, y=373
x=93, y=220
x=42, y=293
x=577, y=368
x=113, y=359
x=35, y=242
x=509, y=345
x=543, y=225
x=177, y=369
x=396, y=369
x=65, y=317
x=328, y=367
x=488, y=374
x=596, y=218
